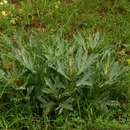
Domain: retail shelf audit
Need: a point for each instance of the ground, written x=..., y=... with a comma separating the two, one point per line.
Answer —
x=44, y=43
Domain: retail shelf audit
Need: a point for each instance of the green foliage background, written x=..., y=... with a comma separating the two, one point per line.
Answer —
x=63, y=65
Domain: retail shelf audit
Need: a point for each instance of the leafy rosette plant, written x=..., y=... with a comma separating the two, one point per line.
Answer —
x=57, y=76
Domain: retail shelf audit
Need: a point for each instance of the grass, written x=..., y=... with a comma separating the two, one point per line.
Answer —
x=64, y=65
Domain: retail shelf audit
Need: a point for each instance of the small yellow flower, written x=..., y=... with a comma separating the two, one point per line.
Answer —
x=5, y=1
x=3, y=13
x=1, y=3
x=128, y=61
